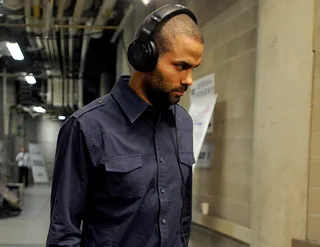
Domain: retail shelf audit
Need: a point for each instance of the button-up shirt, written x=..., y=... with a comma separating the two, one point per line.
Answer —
x=123, y=175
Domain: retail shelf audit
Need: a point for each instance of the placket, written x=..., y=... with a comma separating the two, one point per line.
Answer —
x=162, y=184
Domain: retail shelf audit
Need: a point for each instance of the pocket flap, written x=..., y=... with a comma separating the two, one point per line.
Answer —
x=187, y=158
x=123, y=164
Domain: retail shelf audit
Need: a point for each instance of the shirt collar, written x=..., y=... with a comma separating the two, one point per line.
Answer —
x=131, y=103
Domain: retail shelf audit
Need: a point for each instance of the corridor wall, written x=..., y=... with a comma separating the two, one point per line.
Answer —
x=314, y=172
x=230, y=53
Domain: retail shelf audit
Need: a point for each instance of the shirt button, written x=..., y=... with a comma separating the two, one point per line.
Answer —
x=162, y=190
x=164, y=221
x=161, y=160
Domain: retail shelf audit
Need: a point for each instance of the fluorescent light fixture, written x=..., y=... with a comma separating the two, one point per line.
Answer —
x=15, y=51
x=30, y=79
x=61, y=118
x=39, y=109
x=145, y=2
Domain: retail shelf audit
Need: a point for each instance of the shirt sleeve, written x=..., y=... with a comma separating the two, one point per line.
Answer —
x=187, y=210
x=18, y=157
x=69, y=186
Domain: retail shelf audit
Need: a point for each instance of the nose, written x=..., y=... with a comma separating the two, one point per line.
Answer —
x=187, y=80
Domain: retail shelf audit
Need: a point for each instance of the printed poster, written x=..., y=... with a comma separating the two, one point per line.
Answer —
x=205, y=155
x=203, y=88
x=38, y=167
x=202, y=103
x=201, y=112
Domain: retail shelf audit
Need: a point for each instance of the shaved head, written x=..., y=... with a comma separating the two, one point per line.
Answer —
x=166, y=32
x=180, y=47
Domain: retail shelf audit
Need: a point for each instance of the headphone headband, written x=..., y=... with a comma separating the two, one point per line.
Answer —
x=164, y=13
x=142, y=52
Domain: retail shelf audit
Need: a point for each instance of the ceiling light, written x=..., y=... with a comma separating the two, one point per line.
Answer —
x=30, y=79
x=61, y=118
x=145, y=2
x=39, y=109
x=15, y=51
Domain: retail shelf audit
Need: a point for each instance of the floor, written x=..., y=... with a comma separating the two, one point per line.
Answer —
x=29, y=229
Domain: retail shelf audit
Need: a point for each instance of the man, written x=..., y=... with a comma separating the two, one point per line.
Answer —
x=124, y=162
x=23, y=163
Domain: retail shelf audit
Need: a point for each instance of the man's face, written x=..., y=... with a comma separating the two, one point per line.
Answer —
x=173, y=74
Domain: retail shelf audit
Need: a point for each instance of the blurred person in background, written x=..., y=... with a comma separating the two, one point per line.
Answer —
x=23, y=163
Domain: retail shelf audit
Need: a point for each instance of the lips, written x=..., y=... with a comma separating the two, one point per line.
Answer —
x=179, y=93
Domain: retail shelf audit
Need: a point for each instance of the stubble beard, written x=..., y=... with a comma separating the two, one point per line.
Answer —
x=158, y=96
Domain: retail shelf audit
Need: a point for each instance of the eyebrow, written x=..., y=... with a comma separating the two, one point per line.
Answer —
x=188, y=64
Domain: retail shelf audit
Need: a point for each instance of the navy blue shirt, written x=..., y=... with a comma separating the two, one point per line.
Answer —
x=117, y=181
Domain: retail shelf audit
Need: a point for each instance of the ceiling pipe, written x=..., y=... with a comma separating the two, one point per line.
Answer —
x=22, y=76
x=70, y=49
x=48, y=16
x=105, y=12
x=36, y=16
x=84, y=48
x=13, y=5
x=27, y=13
x=62, y=6
x=46, y=32
x=35, y=19
x=80, y=5
x=11, y=25
x=123, y=21
x=78, y=11
x=87, y=5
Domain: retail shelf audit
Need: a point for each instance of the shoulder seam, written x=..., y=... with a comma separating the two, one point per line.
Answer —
x=88, y=110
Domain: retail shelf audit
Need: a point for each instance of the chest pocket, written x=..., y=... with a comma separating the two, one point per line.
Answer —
x=187, y=160
x=124, y=177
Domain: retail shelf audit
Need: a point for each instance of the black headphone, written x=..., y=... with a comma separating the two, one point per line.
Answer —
x=142, y=52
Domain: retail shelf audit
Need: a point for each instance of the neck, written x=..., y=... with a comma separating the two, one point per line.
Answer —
x=135, y=83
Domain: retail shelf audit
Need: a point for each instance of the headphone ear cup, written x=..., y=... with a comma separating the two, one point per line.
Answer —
x=142, y=56
x=154, y=55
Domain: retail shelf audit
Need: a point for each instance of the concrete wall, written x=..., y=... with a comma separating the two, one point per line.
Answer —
x=230, y=53
x=314, y=180
x=230, y=41
x=282, y=120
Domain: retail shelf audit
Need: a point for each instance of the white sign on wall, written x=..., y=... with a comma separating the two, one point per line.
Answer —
x=203, y=88
x=205, y=155
x=202, y=103
x=201, y=112
x=38, y=167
